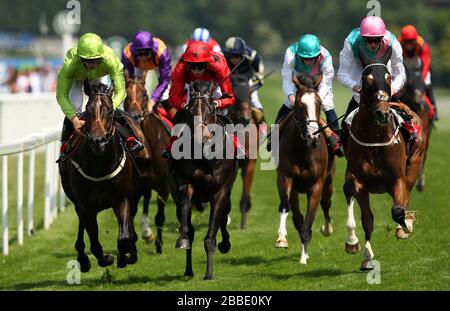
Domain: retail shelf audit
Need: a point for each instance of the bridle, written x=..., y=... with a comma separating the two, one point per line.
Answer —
x=110, y=133
x=134, y=100
x=303, y=126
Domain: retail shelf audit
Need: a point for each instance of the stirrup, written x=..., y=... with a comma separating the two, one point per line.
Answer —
x=166, y=155
x=137, y=146
x=62, y=157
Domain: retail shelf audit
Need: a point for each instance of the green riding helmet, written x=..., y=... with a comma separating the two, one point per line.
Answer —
x=308, y=46
x=90, y=46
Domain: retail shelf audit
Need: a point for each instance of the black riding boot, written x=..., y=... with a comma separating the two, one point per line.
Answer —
x=67, y=131
x=333, y=141
x=125, y=131
x=352, y=105
x=430, y=95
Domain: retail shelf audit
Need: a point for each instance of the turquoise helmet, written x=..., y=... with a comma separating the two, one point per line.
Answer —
x=308, y=46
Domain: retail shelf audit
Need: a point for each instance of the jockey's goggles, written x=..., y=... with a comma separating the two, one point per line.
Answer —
x=91, y=61
x=198, y=66
x=372, y=39
x=143, y=52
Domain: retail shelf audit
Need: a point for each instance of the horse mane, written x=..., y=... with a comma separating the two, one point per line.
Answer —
x=307, y=81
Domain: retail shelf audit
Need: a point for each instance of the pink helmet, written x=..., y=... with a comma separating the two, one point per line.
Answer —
x=372, y=26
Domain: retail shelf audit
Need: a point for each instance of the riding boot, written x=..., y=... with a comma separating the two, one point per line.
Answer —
x=333, y=141
x=430, y=95
x=67, y=132
x=178, y=118
x=125, y=131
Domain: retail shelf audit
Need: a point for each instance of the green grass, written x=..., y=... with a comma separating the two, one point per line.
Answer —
x=420, y=263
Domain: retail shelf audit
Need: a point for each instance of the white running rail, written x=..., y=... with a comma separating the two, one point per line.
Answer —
x=54, y=195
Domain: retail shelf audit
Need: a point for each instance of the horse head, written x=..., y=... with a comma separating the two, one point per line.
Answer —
x=376, y=87
x=414, y=89
x=137, y=98
x=242, y=109
x=99, y=127
x=307, y=107
x=201, y=110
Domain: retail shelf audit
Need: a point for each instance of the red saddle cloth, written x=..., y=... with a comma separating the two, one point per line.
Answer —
x=164, y=117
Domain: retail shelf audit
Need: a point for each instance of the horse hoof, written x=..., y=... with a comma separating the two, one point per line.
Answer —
x=208, y=277
x=121, y=261
x=366, y=265
x=352, y=249
x=281, y=243
x=224, y=247
x=400, y=233
x=85, y=264
x=131, y=258
x=148, y=236
x=183, y=244
x=158, y=247
x=106, y=260
x=326, y=232
x=420, y=186
x=189, y=274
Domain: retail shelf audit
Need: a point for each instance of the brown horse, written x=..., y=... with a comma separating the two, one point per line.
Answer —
x=414, y=95
x=305, y=166
x=378, y=160
x=155, y=169
x=99, y=174
x=241, y=114
x=198, y=178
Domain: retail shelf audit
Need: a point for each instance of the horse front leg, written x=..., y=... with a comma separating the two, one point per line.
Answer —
x=313, y=197
x=186, y=238
x=362, y=197
x=88, y=219
x=159, y=220
x=352, y=243
x=325, y=203
x=247, y=180
x=400, y=215
x=126, y=240
x=284, y=184
x=83, y=259
x=217, y=216
x=147, y=233
x=224, y=246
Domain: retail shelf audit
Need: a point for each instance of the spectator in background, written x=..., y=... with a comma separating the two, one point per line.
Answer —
x=203, y=35
x=11, y=80
x=47, y=78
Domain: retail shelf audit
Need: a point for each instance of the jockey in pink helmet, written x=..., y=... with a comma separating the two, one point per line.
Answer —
x=372, y=39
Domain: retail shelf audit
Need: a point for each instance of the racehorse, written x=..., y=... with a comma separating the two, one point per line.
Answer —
x=199, y=179
x=98, y=175
x=414, y=95
x=241, y=113
x=156, y=168
x=305, y=166
x=378, y=160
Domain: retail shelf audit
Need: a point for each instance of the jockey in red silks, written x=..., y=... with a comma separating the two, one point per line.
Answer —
x=146, y=53
x=202, y=34
x=414, y=46
x=198, y=62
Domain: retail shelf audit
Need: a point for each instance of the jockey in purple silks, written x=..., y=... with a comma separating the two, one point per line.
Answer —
x=145, y=53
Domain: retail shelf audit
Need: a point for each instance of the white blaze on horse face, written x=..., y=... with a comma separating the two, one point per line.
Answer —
x=309, y=100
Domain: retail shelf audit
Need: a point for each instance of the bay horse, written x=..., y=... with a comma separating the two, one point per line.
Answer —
x=305, y=166
x=414, y=95
x=155, y=169
x=198, y=179
x=378, y=160
x=241, y=113
x=98, y=175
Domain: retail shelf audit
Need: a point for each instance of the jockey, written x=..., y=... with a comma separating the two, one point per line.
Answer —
x=415, y=46
x=90, y=60
x=308, y=56
x=145, y=53
x=251, y=68
x=202, y=34
x=198, y=62
x=374, y=40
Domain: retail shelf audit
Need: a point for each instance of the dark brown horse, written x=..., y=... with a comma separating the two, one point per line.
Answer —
x=197, y=177
x=378, y=160
x=100, y=175
x=241, y=114
x=414, y=95
x=155, y=169
x=305, y=166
